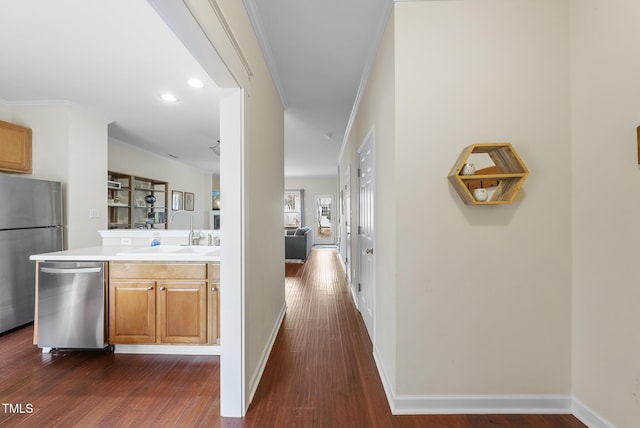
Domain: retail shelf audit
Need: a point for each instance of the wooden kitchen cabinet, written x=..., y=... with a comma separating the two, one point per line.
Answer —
x=132, y=312
x=213, y=297
x=15, y=148
x=152, y=302
x=182, y=312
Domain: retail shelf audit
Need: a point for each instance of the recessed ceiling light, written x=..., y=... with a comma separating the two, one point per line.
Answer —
x=195, y=83
x=169, y=98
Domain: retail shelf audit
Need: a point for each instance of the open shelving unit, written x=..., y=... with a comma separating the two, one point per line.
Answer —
x=504, y=178
x=127, y=206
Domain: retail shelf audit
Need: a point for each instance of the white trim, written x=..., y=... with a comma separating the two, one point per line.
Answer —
x=168, y=349
x=233, y=381
x=588, y=416
x=255, y=379
x=371, y=57
x=39, y=103
x=485, y=404
x=183, y=22
x=263, y=41
x=481, y=404
x=370, y=138
x=386, y=384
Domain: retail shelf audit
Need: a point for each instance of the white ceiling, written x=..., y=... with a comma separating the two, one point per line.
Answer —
x=114, y=58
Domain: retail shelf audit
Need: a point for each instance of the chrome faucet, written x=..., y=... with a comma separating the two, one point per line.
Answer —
x=190, y=223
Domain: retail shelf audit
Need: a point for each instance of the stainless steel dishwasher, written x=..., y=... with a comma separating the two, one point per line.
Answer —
x=71, y=305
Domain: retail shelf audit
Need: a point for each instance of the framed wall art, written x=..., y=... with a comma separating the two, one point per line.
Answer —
x=189, y=201
x=176, y=200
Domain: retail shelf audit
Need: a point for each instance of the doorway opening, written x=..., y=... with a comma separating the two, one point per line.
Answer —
x=324, y=220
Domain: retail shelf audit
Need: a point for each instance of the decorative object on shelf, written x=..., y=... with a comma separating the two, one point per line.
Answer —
x=480, y=194
x=128, y=200
x=189, y=201
x=176, y=200
x=468, y=169
x=504, y=179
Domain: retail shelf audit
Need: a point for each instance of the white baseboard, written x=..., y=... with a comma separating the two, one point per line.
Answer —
x=481, y=404
x=471, y=404
x=168, y=349
x=589, y=417
x=354, y=296
x=257, y=374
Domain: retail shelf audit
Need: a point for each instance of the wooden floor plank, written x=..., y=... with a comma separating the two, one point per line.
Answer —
x=321, y=373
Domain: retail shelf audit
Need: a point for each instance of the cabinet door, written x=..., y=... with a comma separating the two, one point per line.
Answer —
x=15, y=148
x=132, y=312
x=213, y=310
x=182, y=311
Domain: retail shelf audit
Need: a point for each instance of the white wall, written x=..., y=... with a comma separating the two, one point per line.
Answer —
x=605, y=66
x=128, y=159
x=70, y=146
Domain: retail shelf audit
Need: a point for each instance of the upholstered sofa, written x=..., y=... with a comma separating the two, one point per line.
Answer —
x=297, y=243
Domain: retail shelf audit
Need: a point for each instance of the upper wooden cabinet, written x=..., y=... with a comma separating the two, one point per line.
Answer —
x=15, y=148
x=501, y=174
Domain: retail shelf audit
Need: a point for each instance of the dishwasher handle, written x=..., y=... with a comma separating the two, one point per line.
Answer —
x=71, y=270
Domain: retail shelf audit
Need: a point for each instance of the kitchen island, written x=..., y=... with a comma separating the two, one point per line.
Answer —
x=160, y=299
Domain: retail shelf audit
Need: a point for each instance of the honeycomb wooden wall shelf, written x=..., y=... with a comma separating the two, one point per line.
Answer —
x=506, y=176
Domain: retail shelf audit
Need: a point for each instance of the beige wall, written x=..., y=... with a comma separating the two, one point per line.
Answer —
x=485, y=292
x=128, y=159
x=377, y=114
x=261, y=160
x=606, y=297
x=70, y=146
x=482, y=294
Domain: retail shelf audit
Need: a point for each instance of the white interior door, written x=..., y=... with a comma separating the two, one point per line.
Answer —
x=323, y=219
x=366, y=278
x=347, y=221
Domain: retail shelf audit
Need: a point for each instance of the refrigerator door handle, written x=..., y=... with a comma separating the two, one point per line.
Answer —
x=71, y=270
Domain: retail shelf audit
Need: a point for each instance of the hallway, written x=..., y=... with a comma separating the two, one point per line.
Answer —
x=321, y=372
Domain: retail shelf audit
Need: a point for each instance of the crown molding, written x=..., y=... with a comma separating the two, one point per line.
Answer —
x=36, y=103
x=258, y=28
x=371, y=57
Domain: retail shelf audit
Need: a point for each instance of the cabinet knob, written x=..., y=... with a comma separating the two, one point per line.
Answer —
x=369, y=251
x=162, y=288
x=149, y=288
x=213, y=288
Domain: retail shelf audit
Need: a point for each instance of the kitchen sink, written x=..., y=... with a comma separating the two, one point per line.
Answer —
x=177, y=250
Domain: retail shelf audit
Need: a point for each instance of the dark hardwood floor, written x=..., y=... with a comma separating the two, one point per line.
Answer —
x=321, y=373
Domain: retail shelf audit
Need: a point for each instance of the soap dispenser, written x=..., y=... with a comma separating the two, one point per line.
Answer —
x=156, y=239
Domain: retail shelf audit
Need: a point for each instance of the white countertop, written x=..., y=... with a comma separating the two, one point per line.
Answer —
x=118, y=253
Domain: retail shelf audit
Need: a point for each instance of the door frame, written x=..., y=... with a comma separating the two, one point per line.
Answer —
x=369, y=139
x=347, y=224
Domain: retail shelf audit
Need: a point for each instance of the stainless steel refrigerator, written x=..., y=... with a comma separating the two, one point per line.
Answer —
x=30, y=223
